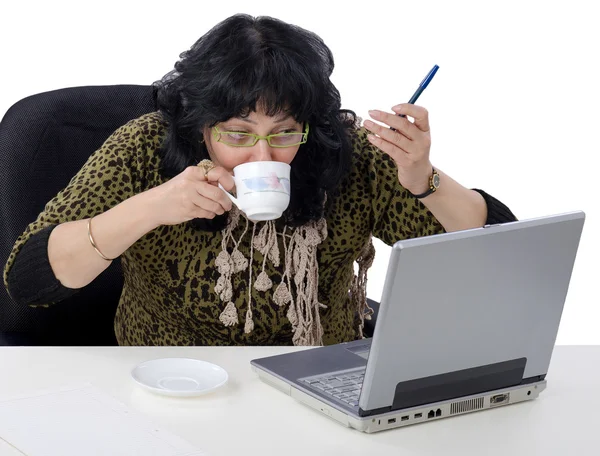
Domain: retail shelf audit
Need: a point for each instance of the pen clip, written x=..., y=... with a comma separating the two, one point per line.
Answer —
x=429, y=77
x=424, y=83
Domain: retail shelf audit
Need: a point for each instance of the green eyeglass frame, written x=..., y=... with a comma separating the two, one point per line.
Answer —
x=218, y=135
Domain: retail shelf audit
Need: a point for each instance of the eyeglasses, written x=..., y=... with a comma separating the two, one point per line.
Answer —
x=239, y=139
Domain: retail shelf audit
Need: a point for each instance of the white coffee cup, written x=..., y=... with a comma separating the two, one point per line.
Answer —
x=262, y=188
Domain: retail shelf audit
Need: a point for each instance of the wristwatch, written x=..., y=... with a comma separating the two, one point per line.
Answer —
x=434, y=184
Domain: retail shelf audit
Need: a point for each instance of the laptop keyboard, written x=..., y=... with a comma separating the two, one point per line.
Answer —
x=343, y=386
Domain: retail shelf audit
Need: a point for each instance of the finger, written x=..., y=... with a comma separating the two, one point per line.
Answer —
x=214, y=194
x=391, y=136
x=401, y=124
x=222, y=176
x=397, y=154
x=419, y=113
x=198, y=209
x=195, y=173
x=207, y=204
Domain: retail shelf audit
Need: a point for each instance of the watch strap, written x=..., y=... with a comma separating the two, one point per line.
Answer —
x=429, y=191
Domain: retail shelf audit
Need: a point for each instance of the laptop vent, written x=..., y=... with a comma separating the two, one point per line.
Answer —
x=466, y=406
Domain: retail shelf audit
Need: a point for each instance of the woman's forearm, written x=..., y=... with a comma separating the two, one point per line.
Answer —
x=74, y=261
x=456, y=207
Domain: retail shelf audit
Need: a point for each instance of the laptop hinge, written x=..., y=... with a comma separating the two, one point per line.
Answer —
x=377, y=411
x=534, y=379
x=451, y=385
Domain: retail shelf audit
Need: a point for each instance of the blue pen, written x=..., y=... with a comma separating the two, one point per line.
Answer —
x=424, y=83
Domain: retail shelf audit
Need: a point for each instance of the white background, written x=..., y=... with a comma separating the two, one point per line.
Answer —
x=513, y=108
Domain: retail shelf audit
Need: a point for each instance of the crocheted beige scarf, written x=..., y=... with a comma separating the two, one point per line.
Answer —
x=298, y=288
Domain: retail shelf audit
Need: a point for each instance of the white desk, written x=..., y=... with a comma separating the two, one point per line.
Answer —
x=247, y=417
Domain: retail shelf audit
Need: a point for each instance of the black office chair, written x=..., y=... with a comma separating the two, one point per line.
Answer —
x=44, y=140
x=369, y=328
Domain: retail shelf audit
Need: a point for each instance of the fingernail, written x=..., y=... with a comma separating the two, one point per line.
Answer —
x=397, y=108
x=374, y=114
x=371, y=138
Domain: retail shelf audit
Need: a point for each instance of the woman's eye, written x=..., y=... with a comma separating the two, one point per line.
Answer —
x=236, y=135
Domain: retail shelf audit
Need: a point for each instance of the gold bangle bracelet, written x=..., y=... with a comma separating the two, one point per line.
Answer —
x=89, y=228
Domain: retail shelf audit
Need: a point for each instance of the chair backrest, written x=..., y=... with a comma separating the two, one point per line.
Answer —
x=44, y=140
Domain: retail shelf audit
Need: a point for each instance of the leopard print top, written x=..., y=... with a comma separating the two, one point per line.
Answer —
x=170, y=274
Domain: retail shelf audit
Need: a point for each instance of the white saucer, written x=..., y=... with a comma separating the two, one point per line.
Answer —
x=179, y=376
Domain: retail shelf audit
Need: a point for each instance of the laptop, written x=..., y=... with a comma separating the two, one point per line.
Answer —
x=467, y=322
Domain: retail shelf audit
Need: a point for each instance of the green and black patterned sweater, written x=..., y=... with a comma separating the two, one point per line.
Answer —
x=170, y=274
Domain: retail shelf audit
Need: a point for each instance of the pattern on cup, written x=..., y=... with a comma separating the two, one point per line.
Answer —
x=270, y=183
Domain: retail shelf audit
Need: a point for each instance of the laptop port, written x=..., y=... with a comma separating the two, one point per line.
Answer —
x=431, y=414
x=438, y=412
x=404, y=418
x=499, y=399
x=391, y=420
x=418, y=415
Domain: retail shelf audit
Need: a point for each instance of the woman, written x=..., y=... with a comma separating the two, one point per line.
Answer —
x=196, y=271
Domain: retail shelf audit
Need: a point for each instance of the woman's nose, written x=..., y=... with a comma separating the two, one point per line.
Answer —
x=262, y=151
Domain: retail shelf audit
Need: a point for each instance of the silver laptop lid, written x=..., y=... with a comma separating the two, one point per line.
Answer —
x=455, y=302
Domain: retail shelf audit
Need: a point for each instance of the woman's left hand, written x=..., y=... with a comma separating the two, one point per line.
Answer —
x=408, y=146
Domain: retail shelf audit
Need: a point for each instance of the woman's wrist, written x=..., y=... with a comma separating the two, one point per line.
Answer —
x=146, y=210
x=418, y=183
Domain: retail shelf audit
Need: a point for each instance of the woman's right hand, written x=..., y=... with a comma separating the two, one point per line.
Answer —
x=189, y=195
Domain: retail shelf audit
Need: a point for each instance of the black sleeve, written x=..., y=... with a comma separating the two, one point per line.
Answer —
x=31, y=280
x=497, y=212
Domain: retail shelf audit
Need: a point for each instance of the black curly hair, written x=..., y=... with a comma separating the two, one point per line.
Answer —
x=243, y=62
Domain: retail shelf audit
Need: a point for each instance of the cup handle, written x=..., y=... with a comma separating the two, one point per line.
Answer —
x=231, y=197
